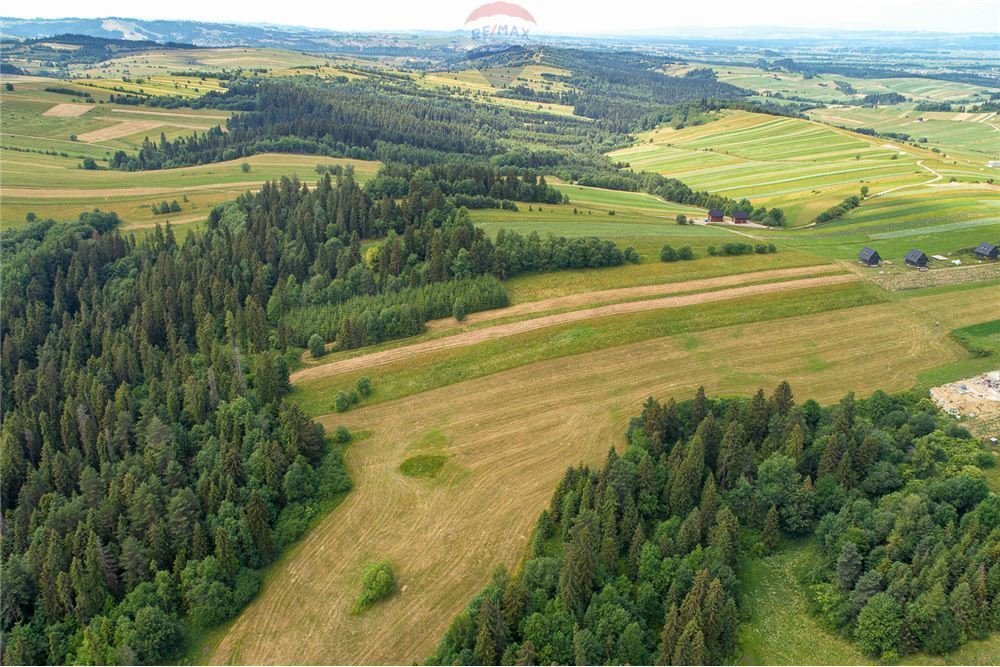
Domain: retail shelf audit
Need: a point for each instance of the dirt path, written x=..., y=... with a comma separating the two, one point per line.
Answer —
x=171, y=115
x=504, y=330
x=622, y=293
x=920, y=163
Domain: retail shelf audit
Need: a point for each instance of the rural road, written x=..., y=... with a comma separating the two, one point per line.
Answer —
x=513, y=328
x=622, y=293
x=920, y=163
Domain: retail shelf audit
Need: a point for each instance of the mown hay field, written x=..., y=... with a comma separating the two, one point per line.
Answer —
x=508, y=436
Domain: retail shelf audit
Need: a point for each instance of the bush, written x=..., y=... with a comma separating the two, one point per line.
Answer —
x=631, y=255
x=377, y=583
x=342, y=435
x=342, y=402
x=685, y=253
x=364, y=386
x=682, y=219
x=245, y=167
x=89, y=164
x=668, y=254
x=459, y=310
x=316, y=346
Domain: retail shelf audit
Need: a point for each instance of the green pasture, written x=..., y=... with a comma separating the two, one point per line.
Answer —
x=780, y=631
x=976, y=135
x=55, y=187
x=801, y=166
x=938, y=220
x=822, y=87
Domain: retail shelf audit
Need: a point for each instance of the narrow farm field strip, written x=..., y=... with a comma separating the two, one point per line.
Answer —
x=171, y=114
x=509, y=437
x=120, y=129
x=626, y=293
x=75, y=193
x=68, y=110
x=524, y=326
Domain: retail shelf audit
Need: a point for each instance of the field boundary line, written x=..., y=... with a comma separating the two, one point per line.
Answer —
x=524, y=326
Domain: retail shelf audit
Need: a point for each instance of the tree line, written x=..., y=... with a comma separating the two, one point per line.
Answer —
x=638, y=562
x=149, y=463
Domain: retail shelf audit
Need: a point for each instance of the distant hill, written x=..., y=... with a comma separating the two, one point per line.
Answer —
x=199, y=33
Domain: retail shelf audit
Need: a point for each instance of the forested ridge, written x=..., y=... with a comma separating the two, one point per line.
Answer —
x=476, y=150
x=638, y=562
x=150, y=464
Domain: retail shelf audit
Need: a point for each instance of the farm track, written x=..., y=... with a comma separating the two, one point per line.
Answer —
x=82, y=193
x=920, y=163
x=171, y=115
x=509, y=437
x=622, y=293
x=511, y=329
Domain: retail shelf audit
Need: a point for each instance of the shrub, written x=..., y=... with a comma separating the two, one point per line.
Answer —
x=342, y=436
x=682, y=219
x=245, y=167
x=668, y=254
x=685, y=253
x=459, y=310
x=377, y=583
x=342, y=401
x=631, y=255
x=364, y=386
x=316, y=347
x=89, y=164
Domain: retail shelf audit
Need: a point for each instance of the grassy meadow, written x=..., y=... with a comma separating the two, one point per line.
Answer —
x=951, y=131
x=801, y=166
x=823, y=87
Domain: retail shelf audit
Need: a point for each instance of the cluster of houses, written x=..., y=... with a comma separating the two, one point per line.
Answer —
x=918, y=259
x=718, y=215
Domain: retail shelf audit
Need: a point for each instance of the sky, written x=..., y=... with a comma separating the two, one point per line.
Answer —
x=557, y=16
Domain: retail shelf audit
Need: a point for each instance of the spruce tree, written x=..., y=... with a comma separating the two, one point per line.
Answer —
x=771, y=532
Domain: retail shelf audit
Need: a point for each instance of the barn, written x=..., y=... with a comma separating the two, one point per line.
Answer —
x=741, y=217
x=987, y=251
x=916, y=258
x=869, y=257
x=715, y=215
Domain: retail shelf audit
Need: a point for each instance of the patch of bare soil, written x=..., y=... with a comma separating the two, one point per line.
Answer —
x=976, y=398
x=68, y=110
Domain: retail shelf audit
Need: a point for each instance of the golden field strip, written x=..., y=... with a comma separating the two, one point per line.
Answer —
x=509, y=437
